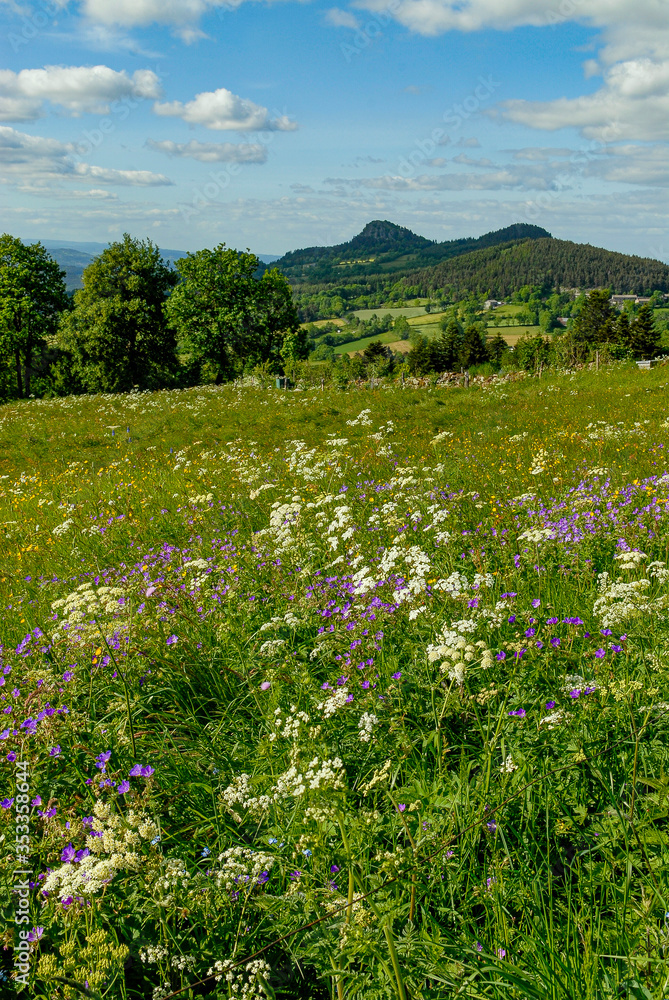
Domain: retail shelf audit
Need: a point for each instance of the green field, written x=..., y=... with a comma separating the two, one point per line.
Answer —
x=338, y=694
x=408, y=311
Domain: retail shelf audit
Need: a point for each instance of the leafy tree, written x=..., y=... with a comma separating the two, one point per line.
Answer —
x=401, y=328
x=645, y=339
x=117, y=332
x=32, y=296
x=533, y=353
x=231, y=319
x=595, y=323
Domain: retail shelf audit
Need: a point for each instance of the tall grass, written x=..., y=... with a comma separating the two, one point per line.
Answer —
x=330, y=694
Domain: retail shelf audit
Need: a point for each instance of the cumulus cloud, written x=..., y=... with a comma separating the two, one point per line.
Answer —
x=212, y=152
x=37, y=160
x=77, y=89
x=179, y=13
x=470, y=161
x=632, y=104
x=224, y=111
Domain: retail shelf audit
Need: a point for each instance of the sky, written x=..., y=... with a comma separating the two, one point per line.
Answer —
x=285, y=124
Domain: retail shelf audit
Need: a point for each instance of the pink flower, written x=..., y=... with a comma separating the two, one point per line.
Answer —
x=265, y=685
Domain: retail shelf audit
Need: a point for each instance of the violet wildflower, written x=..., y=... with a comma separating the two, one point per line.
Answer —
x=549, y=705
x=171, y=640
x=7, y=803
x=396, y=676
x=599, y=653
x=265, y=685
x=68, y=854
x=124, y=787
x=555, y=642
x=136, y=771
x=536, y=603
x=35, y=934
x=55, y=751
x=68, y=675
x=576, y=693
x=402, y=807
x=11, y=756
x=501, y=655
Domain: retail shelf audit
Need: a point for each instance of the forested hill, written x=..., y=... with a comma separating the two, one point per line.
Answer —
x=501, y=270
x=382, y=248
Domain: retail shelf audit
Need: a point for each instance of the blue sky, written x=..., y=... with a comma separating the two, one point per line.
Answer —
x=287, y=124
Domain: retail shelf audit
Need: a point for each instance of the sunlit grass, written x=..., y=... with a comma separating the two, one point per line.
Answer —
x=383, y=607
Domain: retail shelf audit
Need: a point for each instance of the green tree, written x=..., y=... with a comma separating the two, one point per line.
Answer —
x=379, y=358
x=117, y=332
x=644, y=337
x=401, y=328
x=419, y=358
x=595, y=323
x=32, y=296
x=497, y=348
x=231, y=319
x=473, y=350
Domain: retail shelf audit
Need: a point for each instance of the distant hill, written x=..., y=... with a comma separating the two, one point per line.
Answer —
x=74, y=256
x=500, y=270
x=382, y=248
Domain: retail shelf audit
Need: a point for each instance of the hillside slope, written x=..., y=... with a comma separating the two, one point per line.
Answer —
x=500, y=270
x=383, y=248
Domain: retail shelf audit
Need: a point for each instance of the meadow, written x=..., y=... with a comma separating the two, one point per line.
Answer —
x=338, y=694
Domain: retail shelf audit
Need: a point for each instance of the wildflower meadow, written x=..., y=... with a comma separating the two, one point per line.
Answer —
x=337, y=694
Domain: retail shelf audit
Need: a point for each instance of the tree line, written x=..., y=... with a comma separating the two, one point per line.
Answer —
x=139, y=323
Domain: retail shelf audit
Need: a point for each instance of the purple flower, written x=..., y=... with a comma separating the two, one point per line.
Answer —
x=7, y=803
x=265, y=685
x=37, y=801
x=55, y=751
x=512, y=619
x=606, y=631
x=147, y=771
x=334, y=869
x=575, y=694
x=68, y=901
x=550, y=704
x=295, y=875
x=551, y=621
x=102, y=760
x=501, y=655
x=68, y=854
x=396, y=676
x=36, y=934
x=590, y=690
x=402, y=807
x=68, y=675
x=11, y=756
x=474, y=603
x=599, y=653
x=536, y=603
x=124, y=787
x=171, y=640
x=539, y=644
x=478, y=946
x=530, y=632
x=262, y=878
x=616, y=649
x=136, y=771
x=501, y=953
x=555, y=642
x=492, y=826
x=50, y=813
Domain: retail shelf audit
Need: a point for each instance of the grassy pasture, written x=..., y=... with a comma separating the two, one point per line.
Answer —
x=373, y=680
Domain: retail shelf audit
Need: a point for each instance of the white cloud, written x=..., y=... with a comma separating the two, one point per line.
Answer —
x=77, y=89
x=523, y=179
x=133, y=178
x=341, y=19
x=470, y=161
x=645, y=165
x=212, y=152
x=142, y=12
x=33, y=160
x=224, y=111
x=632, y=104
